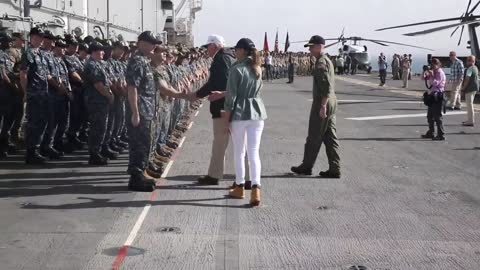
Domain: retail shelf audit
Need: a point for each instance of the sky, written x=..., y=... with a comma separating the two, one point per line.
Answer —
x=234, y=19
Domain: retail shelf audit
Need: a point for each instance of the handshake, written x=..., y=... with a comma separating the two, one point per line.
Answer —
x=215, y=95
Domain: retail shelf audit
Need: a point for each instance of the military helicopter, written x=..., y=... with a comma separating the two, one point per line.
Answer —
x=357, y=52
x=466, y=19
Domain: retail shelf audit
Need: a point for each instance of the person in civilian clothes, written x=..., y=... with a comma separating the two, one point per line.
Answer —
x=436, y=95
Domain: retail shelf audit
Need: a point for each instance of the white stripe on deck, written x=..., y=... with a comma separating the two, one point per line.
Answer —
x=376, y=101
x=368, y=118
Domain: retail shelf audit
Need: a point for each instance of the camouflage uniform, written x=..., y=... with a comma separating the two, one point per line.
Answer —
x=118, y=71
x=6, y=95
x=34, y=62
x=17, y=102
x=140, y=75
x=59, y=108
x=52, y=123
x=97, y=104
x=78, y=116
x=161, y=73
x=111, y=75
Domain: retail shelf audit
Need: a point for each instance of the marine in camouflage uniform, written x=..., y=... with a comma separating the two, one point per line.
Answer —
x=322, y=124
x=141, y=112
x=34, y=78
x=98, y=99
x=18, y=104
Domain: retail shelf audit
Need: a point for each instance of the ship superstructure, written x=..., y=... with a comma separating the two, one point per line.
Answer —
x=110, y=19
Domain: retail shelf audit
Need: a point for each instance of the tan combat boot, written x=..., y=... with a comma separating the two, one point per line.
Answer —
x=255, y=198
x=238, y=192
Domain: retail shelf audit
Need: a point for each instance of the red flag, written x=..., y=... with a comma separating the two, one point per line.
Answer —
x=276, y=43
x=266, y=48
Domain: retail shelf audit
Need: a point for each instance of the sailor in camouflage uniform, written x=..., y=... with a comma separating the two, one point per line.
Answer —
x=108, y=149
x=141, y=112
x=59, y=101
x=98, y=99
x=77, y=105
x=54, y=87
x=34, y=78
x=118, y=70
x=7, y=86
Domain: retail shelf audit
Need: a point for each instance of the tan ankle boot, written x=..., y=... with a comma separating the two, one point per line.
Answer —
x=255, y=198
x=237, y=193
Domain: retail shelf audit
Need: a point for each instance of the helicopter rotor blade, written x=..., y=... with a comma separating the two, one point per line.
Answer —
x=342, y=35
x=458, y=27
x=436, y=29
x=454, y=31
x=379, y=43
x=461, y=35
x=397, y=43
x=333, y=44
x=474, y=8
x=305, y=41
x=468, y=7
x=421, y=23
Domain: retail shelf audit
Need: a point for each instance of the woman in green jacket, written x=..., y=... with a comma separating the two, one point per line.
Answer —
x=245, y=110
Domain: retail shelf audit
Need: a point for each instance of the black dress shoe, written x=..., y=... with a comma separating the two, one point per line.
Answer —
x=457, y=109
x=427, y=136
x=109, y=153
x=50, y=153
x=83, y=137
x=77, y=144
x=330, y=174
x=139, y=182
x=60, y=149
x=97, y=160
x=301, y=170
x=12, y=149
x=34, y=158
x=3, y=154
x=116, y=148
x=439, y=138
x=207, y=180
x=121, y=144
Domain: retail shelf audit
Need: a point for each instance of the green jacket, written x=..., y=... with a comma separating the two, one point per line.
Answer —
x=243, y=93
x=323, y=78
x=473, y=84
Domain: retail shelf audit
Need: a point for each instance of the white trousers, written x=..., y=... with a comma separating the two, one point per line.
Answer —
x=246, y=136
x=470, y=97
